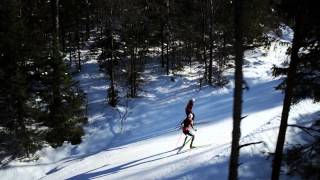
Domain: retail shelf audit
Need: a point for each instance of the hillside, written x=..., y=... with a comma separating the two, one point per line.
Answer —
x=148, y=145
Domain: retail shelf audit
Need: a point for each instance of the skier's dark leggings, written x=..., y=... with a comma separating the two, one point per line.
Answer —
x=188, y=133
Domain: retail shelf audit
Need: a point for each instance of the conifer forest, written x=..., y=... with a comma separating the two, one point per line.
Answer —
x=101, y=89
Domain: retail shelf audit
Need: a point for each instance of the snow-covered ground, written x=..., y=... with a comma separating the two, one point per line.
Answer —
x=148, y=144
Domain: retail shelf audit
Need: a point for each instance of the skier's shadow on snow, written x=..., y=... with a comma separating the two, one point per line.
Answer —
x=75, y=158
x=90, y=174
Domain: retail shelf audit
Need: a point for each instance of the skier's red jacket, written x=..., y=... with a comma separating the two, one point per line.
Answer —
x=186, y=125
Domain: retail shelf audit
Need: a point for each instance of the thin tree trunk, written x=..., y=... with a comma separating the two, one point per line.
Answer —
x=224, y=50
x=21, y=130
x=135, y=73
x=101, y=29
x=70, y=49
x=162, y=45
x=112, y=60
x=237, y=102
x=87, y=21
x=56, y=83
x=221, y=61
x=287, y=99
x=55, y=18
x=78, y=42
x=113, y=98
x=204, y=22
x=173, y=55
x=111, y=68
x=62, y=35
x=132, y=71
x=168, y=56
x=79, y=54
x=190, y=54
x=211, y=43
x=168, y=34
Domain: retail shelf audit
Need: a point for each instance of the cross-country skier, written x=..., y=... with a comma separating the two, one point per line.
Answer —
x=186, y=124
x=189, y=108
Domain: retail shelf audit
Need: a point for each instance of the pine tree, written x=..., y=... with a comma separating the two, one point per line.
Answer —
x=39, y=101
x=252, y=38
x=64, y=114
x=134, y=33
x=303, y=72
x=18, y=113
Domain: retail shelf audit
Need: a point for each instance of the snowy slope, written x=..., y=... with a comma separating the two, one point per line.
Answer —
x=147, y=148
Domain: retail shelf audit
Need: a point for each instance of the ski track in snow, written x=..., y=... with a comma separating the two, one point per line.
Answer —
x=147, y=147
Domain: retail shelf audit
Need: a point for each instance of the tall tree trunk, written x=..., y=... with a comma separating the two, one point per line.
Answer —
x=162, y=45
x=111, y=50
x=112, y=60
x=79, y=53
x=237, y=102
x=168, y=34
x=101, y=28
x=113, y=94
x=87, y=20
x=296, y=44
x=135, y=73
x=132, y=71
x=55, y=18
x=204, y=56
x=224, y=49
x=70, y=56
x=56, y=79
x=211, y=43
x=189, y=47
x=173, y=56
x=221, y=62
x=78, y=41
x=204, y=23
x=62, y=33
x=21, y=113
x=70, y=48
x=168, y=55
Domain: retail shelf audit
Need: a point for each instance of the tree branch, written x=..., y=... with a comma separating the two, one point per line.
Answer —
x=244, y=117
x=305, y=129
x=249, y=144
x=123, y=116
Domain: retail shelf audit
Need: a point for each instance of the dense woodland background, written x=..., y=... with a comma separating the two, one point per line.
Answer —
x=40, y=51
